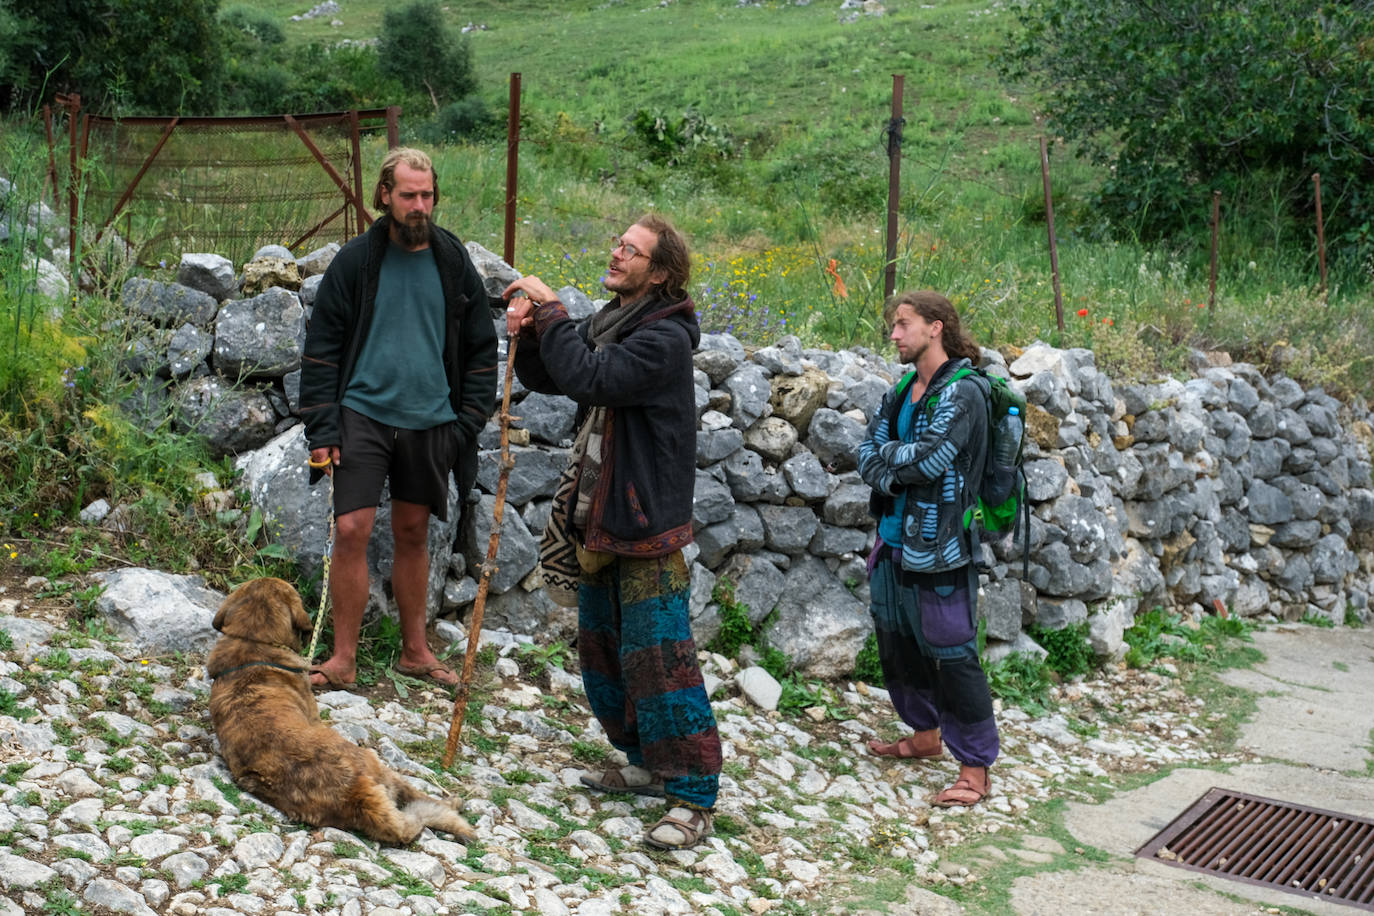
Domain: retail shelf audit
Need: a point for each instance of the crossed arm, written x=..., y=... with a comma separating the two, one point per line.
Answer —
x=887, y=464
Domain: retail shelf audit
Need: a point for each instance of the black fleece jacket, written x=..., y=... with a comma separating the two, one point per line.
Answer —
x=345, y=306
x=642, y=506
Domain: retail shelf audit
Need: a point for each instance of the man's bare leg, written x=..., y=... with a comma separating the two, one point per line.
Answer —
x=410, y=586
x=348, y=590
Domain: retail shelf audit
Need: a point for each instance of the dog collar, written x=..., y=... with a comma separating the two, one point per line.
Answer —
x=263, y=642
x=287, y=668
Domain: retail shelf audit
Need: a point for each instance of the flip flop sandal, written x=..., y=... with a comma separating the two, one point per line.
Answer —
x=906, y=749
x=626, y=780
x=680, y=828
x=427, y=673
x=963, y=794
x=331, y=680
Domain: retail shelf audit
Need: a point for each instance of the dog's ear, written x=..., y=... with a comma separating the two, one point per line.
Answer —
x=227, y=605
x=299, y=617
x=246, y=612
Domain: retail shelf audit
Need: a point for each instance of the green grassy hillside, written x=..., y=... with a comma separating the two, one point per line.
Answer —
x=786, y=166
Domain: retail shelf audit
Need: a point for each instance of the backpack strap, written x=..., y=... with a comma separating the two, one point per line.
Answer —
x=1024, y=509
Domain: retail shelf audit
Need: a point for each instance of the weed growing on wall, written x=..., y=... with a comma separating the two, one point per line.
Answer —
x=1069, y=652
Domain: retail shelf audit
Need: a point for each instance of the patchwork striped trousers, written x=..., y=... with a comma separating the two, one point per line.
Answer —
x=640, y=672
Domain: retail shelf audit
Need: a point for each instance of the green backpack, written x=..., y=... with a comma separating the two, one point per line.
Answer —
x=1002, y=491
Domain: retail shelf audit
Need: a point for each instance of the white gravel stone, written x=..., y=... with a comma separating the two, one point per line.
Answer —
x=258, y=850
x=418, y=864
x=154, y=846
x=18, y=872
x=116, y=897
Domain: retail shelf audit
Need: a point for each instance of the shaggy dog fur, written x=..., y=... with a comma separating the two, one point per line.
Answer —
x=274, y=742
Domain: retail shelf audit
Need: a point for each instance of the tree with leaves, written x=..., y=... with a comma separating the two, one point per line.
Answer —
x=1178, y=97
x=123, y=56
x=423, y=50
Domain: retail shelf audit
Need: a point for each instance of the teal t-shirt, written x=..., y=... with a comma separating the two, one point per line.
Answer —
x=890, y=525
x=399, y=379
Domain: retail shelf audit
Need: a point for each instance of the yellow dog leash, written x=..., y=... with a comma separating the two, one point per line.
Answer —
x=328, y=554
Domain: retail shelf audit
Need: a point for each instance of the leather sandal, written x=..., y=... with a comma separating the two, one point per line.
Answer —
x=963, y=794
x=680, y=828
x=626, y=780
x=917, y=746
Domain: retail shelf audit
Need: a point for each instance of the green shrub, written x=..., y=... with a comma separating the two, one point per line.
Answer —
x=1127, y=80
x=1158, y=633
x=1021, y=679
x=1069, y=652
x=124, y=56
x=420, y=48
x=867, y=666
x=735, y=629
x=775, y=662
x=250, y=24
x=670, y=140
x=466, y=119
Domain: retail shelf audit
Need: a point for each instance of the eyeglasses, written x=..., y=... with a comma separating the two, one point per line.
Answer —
x=619, y=244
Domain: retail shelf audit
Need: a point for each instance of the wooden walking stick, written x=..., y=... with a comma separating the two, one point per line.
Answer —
x=460, y=702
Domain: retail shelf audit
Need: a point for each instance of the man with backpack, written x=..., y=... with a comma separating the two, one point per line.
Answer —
x=925, y=456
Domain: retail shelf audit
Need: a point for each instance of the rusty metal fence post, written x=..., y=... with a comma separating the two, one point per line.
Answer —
x=1321, y=230
x=512, y=165
x=355, y=128
x=71, y=102
x=1049, y=224
x=894, y=184
x=393, y=127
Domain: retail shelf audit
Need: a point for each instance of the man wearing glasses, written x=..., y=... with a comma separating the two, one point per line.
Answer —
x=624, y=509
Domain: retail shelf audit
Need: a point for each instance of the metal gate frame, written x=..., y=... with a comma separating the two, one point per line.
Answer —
x=352, y=210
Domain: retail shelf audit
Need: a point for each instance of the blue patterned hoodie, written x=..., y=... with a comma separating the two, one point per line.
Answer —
x=925, y=472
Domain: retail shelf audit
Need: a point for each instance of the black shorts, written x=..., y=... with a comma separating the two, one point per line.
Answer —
x=415, y=461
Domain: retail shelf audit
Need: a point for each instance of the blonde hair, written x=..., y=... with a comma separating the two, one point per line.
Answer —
x=387, y=179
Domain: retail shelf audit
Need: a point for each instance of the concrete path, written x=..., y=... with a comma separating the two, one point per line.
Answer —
x=1313, y=731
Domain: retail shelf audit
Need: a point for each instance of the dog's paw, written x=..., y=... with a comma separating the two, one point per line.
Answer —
x=461, y=829
x=442, y=815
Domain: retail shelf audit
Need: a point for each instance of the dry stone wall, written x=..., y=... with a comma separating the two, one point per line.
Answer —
x=1231, y=489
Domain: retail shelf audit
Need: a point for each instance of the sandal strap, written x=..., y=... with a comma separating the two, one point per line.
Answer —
x=614, y=778
x=694, y=828
x=964, y=784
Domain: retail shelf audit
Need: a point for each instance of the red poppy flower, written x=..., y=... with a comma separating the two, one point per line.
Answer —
x=1082, y=313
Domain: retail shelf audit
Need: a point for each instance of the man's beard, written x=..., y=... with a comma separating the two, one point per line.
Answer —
x=414, y=232
x=915, y=357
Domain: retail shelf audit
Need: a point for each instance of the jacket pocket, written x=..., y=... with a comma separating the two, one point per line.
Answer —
x=921, y=528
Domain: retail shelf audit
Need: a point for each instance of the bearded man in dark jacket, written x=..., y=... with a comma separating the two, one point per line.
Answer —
x=398, y=377
x=623, y=513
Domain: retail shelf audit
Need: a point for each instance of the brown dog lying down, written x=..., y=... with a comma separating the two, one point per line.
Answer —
x=277, y=747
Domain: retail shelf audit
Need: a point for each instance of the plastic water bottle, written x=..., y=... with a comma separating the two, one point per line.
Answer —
x=1008, y=438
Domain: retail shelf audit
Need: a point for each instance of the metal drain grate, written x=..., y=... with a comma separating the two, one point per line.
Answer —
x=1320, y=854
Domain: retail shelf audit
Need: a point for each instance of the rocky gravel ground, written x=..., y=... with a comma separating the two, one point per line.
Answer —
x=114, y=799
